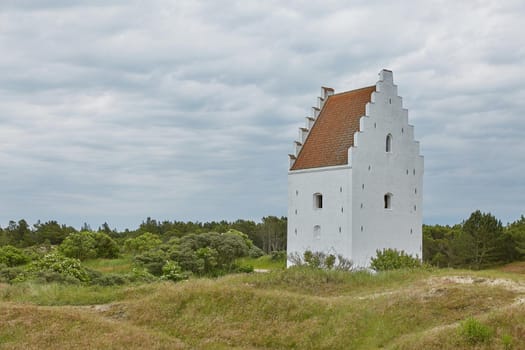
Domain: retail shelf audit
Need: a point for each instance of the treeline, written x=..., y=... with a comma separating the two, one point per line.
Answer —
x=478, y=242
x=268, y=235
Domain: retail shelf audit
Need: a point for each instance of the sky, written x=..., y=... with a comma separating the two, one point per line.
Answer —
x=117, y=110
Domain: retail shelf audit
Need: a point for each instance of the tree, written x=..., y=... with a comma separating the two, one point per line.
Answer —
x=81, y=245
x=480, y=242
x=516, y=231
x=11, y=256
x=142, y=243
x=52, y=232
x=272, y=233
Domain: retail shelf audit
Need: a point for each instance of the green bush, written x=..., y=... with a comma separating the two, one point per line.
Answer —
x=142, y=243
x=474, y=332
x=9, y=274
x=11, y=256
x=278, y=255
x=392, y=259
x=87, y=245
x=320, y=260
x=110, y=279
x=171, y=271
x=59, y=264
x=80, y=245
x=152, y=260
x=255, y=252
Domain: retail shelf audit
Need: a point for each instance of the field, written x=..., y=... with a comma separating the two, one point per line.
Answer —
x=281, y=309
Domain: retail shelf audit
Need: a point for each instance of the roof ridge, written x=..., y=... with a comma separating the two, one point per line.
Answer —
x=355, y=90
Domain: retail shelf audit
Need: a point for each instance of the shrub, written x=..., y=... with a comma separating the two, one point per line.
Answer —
x=171, y=271
x=11, y=256
x=110, y=279
x=244, y=268
x=56, y=262
x=9, y=274
x=278, y=255
x=255, y=252
x=473, y=332
x=320, y=260
x=81, y=245
x=142, y=243
x=392, y=259
x=152, y=260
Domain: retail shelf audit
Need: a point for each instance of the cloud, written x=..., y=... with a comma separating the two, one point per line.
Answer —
x=117, y=110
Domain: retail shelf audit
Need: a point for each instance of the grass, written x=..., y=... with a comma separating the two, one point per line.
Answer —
x=120, y=265
x=284, y=309
x=265, y=262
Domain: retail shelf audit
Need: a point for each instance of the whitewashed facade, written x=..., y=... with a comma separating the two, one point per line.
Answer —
x=367, y=200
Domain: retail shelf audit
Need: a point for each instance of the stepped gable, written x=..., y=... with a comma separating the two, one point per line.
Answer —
x=332, y=134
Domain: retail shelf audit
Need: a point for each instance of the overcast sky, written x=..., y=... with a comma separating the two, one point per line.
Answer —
x=116, y=110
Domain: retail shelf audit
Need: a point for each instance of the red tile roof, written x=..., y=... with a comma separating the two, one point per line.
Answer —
x=332, y=134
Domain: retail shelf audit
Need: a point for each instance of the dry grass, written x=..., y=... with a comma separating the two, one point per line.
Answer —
x=294, y=309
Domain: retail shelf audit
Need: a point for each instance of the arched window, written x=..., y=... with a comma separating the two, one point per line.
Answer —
x=388, y=201
x=388, y=147
x=318, y=201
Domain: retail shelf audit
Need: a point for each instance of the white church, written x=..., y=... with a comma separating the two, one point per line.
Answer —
x=356, y=177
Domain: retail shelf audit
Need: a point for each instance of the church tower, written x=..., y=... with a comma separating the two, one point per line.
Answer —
x=356, y=176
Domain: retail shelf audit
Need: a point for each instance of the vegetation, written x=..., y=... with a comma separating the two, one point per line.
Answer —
x=284, y=309
x=479, y=242
x=391, y=259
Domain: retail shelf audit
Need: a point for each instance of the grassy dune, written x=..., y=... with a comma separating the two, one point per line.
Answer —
x=283, y=309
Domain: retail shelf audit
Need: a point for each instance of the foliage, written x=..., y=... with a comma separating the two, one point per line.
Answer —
x=59, y=264
x=81, y=245
x=10, y=274
x=153, y=260
x=142, y=243
x=320, y=260
x=171, y=271
x=473, y=332
x=392, y=259
x=105, y=246
x=481, y=242
x=110, y=279
x=11, y=256
x=255, y=252
x=209, y=253
x=278, y=255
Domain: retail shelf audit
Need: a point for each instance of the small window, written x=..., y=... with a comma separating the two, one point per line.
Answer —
x=388, y=201
x=369, y=168
x=375, y=125
x=340, y=189
x=415, y=190
x=318, y=201
x=339, y=229
x=341, y=209
x=317, y=232
x=415, y=208
x=361, y=205
x=414, y=171
x=296, y=192
x=295, y=232
x=402, y=130
x=363, y=186
x=362, y=228
x=390, y=101
x=388, y=147
x=295, y=211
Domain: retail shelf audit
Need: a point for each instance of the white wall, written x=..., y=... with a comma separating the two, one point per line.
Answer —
x=334, y=184
x=375, y=227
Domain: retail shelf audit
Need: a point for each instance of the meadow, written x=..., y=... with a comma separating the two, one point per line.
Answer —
x=298, y=308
